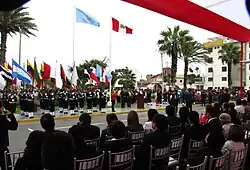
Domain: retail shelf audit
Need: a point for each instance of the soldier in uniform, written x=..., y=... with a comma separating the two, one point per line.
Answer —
x=101, y=100
x=41, y=96
x=72, y=99
x=30, y=102
x=81, y=98
x=60, y=100
x=25, y=103
x=12, y=100
x=89, y=100
x=94, y=101
x=65, y=101
x=76, y=100
x=21, y=102
x=51, y=98
x=46, y=101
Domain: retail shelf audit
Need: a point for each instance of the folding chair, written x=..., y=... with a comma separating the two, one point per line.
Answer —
x=11, y=158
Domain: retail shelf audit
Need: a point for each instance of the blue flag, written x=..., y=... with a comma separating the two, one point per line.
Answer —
x=98, y=71
x=20, y=73
x=83, y=17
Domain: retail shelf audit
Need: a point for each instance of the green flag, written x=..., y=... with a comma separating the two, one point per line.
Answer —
x=36, y=73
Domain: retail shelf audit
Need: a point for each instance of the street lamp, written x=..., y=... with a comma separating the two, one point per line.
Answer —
x=162, y=69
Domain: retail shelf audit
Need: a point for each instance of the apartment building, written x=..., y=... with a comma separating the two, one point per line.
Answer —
x=216, y=73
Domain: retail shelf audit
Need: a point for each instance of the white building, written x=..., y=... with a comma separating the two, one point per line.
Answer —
x=216, y=73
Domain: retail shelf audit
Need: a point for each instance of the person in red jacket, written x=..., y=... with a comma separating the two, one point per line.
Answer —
x=113, y=99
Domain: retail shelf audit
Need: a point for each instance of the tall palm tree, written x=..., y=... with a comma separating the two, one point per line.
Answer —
x=170, y=44
x=14, y=21
x=192, y=52
x=229, y=54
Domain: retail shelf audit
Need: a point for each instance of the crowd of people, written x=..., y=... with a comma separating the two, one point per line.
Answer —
x=217, y=133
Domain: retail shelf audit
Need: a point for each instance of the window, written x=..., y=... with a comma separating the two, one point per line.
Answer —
x=180, y=81
x=210, y=79
x=248, y=67
x=210, y=69
x=249, y=44
x=249, y=56
x=210, y=50
x=224, y=69
x=223, y=78
x=249, y=78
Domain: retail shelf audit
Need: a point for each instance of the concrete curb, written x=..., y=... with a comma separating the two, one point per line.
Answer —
x=68, y=117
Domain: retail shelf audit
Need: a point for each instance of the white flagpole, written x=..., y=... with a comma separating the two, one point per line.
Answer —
x=110, y=54
x=74, y=20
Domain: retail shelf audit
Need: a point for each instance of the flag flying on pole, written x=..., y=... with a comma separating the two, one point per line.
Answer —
x=74, y=77
x=37, y=76
x=91, y=73
x=20, y=73
x=5, y=74
x=46, y=71
x=98, y=72
x=86, y=18
x=119, y=27
x=64, y=78
x=30, y=68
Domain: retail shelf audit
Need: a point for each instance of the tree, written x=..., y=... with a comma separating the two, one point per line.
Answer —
x=126, y=78
x=192, y=52
x=14, y=21
x=229, y=54
x=83, y=78
x=170, y=44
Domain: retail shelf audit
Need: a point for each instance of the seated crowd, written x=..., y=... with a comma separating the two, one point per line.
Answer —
x=163, y=141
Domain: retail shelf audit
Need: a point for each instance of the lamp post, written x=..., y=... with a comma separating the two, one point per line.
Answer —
x=162, y=69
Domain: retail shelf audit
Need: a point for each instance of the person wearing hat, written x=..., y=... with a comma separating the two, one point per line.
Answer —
x=226, y=122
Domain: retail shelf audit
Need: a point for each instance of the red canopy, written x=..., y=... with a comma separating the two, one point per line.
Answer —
x=189, y=12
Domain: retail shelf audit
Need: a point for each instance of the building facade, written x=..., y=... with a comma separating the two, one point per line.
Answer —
x=216, y=73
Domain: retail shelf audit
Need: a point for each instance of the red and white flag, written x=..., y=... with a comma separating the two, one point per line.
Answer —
x=119, y=27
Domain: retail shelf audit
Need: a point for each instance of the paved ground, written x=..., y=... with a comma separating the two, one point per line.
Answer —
x=19, y=137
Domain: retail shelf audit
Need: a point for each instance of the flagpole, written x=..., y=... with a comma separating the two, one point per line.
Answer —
x=110, y=54
x=20, y=46
x=74, y=20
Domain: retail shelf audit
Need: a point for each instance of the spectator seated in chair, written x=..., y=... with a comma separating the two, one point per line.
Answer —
x=148, y=125
x=133, y=122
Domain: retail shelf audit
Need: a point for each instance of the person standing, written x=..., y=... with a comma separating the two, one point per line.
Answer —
x=72, y=98
x=7, y=122
x=65, y=101
x=31, y=104
x=189, y=98
x=60, y=100
x=94, y=101
x=140, y=100
x=89, y=100
x=12, y=100
x=21, y=101
x=102, y=101
x=81, y=97
x=51, y=98
x=41, y=97
x=122, y=98
x=113, y=99
x=203, y=98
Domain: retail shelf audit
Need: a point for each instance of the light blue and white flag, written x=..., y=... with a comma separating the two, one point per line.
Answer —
x=86, y=18
x=20, y=73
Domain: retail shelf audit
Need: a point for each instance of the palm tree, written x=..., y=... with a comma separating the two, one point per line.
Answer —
x=14, y=21
x=192, y=52
x=170, y=44
x=126, y=78
x=229, y=54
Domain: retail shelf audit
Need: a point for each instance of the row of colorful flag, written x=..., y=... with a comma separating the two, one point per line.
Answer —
x=56, y=74
x=86, y=18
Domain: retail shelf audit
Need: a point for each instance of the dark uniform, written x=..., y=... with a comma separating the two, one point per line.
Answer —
x=25, y=103
x=21, y=102
x=51, y=99
x=46, y=101
x=102, y=101
x=60, y=101
x=42, y=104
x=81, y=98
x=72, y=99
x=65, y=102
x=89, y=100
x=31, y=105
x=95, y=101
x=12, y=100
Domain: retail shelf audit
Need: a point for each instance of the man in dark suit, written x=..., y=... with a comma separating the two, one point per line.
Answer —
x=106, y=133
x=7, y=122
x=171, y=118
x=159, y=139
x=195, y=131
x=90, y=131
x=58, y=147
x=189, y=98
x=118, y=143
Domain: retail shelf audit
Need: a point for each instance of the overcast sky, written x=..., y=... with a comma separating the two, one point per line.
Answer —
x=54, y=40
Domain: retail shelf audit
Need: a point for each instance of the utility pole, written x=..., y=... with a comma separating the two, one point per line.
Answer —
x=162, y=71
x=20, y=46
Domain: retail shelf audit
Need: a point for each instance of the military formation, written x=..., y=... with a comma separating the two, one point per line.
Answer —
x=69, y=101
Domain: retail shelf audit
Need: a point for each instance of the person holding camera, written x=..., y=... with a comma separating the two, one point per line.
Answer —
x=7, y=122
